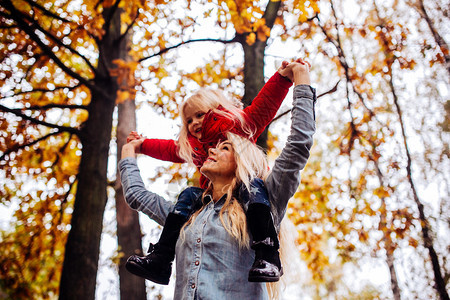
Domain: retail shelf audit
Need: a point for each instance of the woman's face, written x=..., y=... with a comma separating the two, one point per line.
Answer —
x=220, y=163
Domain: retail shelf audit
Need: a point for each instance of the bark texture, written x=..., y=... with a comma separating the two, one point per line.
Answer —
x=128, y=228
x=254, y=64
x=79, y=274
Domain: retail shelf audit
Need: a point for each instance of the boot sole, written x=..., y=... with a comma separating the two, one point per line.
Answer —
x=263, y=279
x=142, y=272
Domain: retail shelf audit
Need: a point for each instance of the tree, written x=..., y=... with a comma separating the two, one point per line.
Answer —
x=128, y=228
x=57, y=45
x=371, y=125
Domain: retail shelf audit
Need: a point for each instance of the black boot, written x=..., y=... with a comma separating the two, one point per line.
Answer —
x=267, y=265
x=157, y=265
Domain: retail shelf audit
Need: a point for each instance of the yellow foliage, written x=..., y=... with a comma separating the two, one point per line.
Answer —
x=262, y=31
x=33, y=252
x=381, y=192
x=250, y=39
x=231, y=5
x=82, y=116
x=314, y=5
x=125, y=74
x=123, y=96
x=108, y=3
x=124, y=71
x=93, y=25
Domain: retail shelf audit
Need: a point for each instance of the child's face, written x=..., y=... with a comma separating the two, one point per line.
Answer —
x=194, y=120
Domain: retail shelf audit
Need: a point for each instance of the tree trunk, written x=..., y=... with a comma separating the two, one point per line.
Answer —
x=394, y=282
x=254, y=64
x=437, y=37
x=425, y=225
x=254, y=78
x=388, y=245
x=78, y=278
x=128, y=228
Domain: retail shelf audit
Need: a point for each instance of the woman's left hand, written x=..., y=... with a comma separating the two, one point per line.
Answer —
x=131, y=148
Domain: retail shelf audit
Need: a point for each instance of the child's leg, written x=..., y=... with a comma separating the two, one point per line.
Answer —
x=157, y=265
x=267, y=265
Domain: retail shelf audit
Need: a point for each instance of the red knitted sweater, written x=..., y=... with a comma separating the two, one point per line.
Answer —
x=257, y=116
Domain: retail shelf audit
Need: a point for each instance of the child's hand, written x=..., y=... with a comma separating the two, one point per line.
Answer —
x=134, y=136
x=284, y=71
x=136, y=140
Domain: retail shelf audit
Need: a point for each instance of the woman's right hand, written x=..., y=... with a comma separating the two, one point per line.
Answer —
x=297, y=71
x=300, y=71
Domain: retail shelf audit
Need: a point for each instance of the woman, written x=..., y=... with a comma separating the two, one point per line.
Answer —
x=213, y=255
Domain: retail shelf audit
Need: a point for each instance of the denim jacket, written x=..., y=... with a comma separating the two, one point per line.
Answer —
x=209, y=262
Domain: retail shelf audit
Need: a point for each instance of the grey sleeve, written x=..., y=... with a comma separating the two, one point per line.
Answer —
x=138, y=197
x=284, y=178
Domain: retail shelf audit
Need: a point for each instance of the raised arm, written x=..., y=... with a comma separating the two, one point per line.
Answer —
x=136, y=195
x=161, y=149
x=166, y=150
x=284, y=178
x=266, y=104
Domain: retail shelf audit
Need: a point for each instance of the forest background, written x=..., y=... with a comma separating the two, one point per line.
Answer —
x=372, y=213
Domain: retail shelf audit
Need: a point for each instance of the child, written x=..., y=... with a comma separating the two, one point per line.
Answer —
x=207, y=116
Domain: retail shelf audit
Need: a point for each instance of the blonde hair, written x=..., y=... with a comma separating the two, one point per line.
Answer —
x=288, y=251
x=251, y=162
x=204, y=100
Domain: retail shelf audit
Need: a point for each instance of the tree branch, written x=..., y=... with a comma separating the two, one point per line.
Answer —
x=61, y=150
x=37, y=57
x=2, y=13
x=440, y=284
x=129, y=26
x=271, y=13
x=44, y=90
x=50, y=106
x=110, y=16
x=437, y=37
x=19, y=113
x=18, y=147
x=233, y=40
x=98, y=3
x=58, y=41
x=64, y=201
x=28, y=29
x=332, y=90
x=46, y=12
x=343, y=62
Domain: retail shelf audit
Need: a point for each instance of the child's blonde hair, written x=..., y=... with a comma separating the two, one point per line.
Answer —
x=204, y=100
